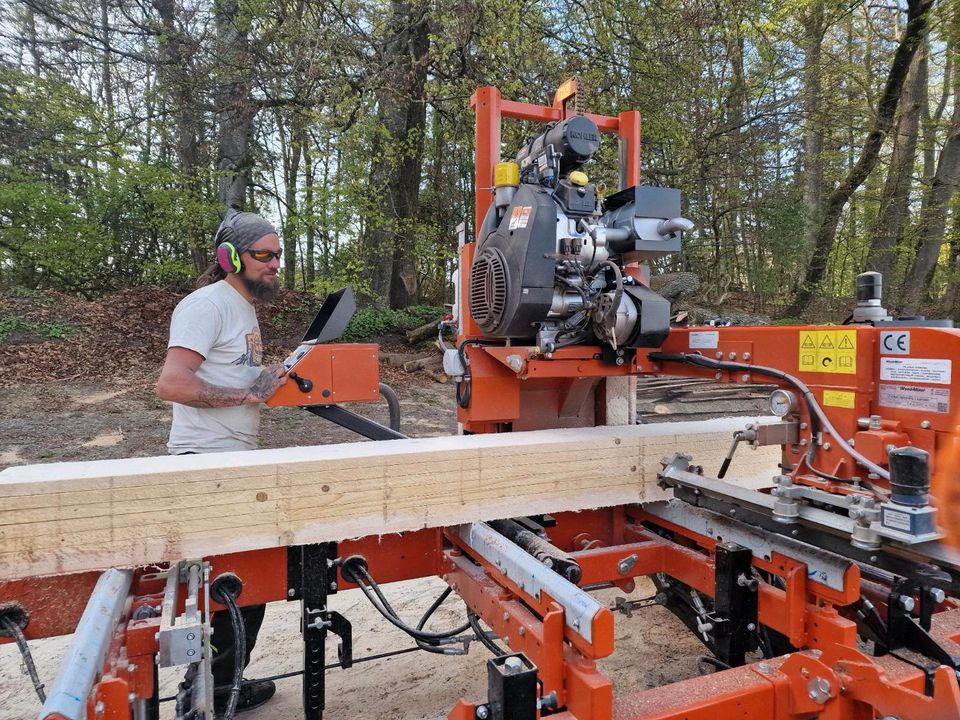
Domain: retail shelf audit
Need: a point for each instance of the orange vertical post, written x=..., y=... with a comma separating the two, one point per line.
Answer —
x=486, y=105
x=629, y=132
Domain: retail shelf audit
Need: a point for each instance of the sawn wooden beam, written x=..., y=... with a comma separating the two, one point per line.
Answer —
x=70, y=517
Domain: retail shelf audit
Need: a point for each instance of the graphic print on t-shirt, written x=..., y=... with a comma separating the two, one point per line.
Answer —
x=254, y=352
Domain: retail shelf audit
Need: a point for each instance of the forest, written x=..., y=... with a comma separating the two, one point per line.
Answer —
x=812, y=139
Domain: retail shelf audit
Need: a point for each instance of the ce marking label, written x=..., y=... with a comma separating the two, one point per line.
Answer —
x=895, y=342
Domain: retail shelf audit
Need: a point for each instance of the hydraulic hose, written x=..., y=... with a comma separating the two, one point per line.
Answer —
x=393, y=402
x=812, y=405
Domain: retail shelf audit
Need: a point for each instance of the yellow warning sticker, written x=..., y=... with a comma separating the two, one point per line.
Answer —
x=828, y=351
x=839, y=398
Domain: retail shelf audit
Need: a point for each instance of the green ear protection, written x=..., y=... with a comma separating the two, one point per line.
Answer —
x=227, y=256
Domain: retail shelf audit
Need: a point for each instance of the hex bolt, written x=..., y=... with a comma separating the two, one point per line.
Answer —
x=291, y=592
x=482, y=712
x=925, y=424
x=506, y=617
x=99, y=708
x=803, y=426
x=826, y=446
x=937, y=595
x=523, y=631
x=732, y=356
x=763, y=667
x=513, y=665
x=751, y=626
x=907, y=603
x=191, y=652
x=746, y=356
x=745, y=378
x=333, y=586
x=719, y=355
x=191, y=636
x=718, y=375
x=819, y=690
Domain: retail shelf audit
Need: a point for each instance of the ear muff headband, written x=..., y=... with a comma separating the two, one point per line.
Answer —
x=228, y=258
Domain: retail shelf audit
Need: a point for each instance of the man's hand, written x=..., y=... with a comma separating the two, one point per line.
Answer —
x=266, y=384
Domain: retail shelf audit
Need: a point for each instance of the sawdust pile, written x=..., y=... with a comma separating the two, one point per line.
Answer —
x=51, y=336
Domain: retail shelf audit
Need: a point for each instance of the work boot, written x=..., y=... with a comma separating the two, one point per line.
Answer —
x=252, y=695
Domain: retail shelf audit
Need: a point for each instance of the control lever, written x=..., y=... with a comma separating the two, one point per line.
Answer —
x=305, y=384
x=747, y=435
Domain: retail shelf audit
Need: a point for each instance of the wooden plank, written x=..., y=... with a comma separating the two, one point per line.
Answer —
x=71, y=517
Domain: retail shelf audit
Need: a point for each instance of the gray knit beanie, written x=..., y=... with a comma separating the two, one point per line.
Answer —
x=242, y=229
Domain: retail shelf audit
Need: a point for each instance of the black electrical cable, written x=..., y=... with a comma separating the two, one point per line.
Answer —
x=812, y=405
x=12, y=629
x=393, y=403
x=330, y=666
x=482, y=636
x=239, y=652
x=433, y=647
x=463, y=387
x=376, y=597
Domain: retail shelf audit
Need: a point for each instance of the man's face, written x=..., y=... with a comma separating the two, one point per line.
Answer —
x=260, y=276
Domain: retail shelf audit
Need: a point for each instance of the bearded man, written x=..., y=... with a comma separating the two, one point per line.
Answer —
x=214, y=378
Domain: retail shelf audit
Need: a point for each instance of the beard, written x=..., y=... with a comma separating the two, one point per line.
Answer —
x=261, y=290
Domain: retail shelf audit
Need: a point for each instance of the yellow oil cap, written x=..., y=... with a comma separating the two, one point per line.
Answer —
x=506, y=173
x=578, y=178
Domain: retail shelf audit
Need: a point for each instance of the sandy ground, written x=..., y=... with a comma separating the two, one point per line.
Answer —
x=652, y=648
x=78, y=420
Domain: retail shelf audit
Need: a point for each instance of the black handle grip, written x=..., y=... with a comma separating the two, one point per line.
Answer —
x=304, y=384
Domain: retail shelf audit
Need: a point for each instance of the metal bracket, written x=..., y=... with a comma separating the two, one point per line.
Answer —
x=735, y=603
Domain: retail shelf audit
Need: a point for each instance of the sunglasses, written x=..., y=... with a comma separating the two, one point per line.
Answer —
x=265, y=256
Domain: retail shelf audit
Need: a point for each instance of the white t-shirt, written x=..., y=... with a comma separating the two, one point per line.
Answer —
x=220, y=324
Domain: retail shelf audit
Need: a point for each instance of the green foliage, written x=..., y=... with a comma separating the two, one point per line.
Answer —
x=57, y=330
x=372, y=323
x=168, y=272
x=11, y=325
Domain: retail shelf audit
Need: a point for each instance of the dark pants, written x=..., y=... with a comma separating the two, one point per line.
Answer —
x=225, y=643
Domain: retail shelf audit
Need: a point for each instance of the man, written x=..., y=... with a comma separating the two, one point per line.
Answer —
x=213, y=377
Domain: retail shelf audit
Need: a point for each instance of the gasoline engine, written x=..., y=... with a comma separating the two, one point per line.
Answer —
x=551, y=254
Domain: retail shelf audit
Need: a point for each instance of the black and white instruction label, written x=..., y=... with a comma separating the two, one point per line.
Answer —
x=915, y=397
x=704, y=340
x=915, y=370
x=895, y=519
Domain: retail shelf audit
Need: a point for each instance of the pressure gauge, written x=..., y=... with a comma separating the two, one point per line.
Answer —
x=782, y=402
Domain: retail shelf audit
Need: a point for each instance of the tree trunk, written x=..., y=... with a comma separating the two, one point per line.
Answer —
x=235, y=106
x=107, y=74
x=918, y=13
x=309, y=259
x=176, y=79
x=895, y=198
x=933, y=213
x=293, y=151
x=390, y=243
x=813, y=29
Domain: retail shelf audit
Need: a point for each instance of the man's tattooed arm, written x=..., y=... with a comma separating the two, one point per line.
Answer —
x=216, y=396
